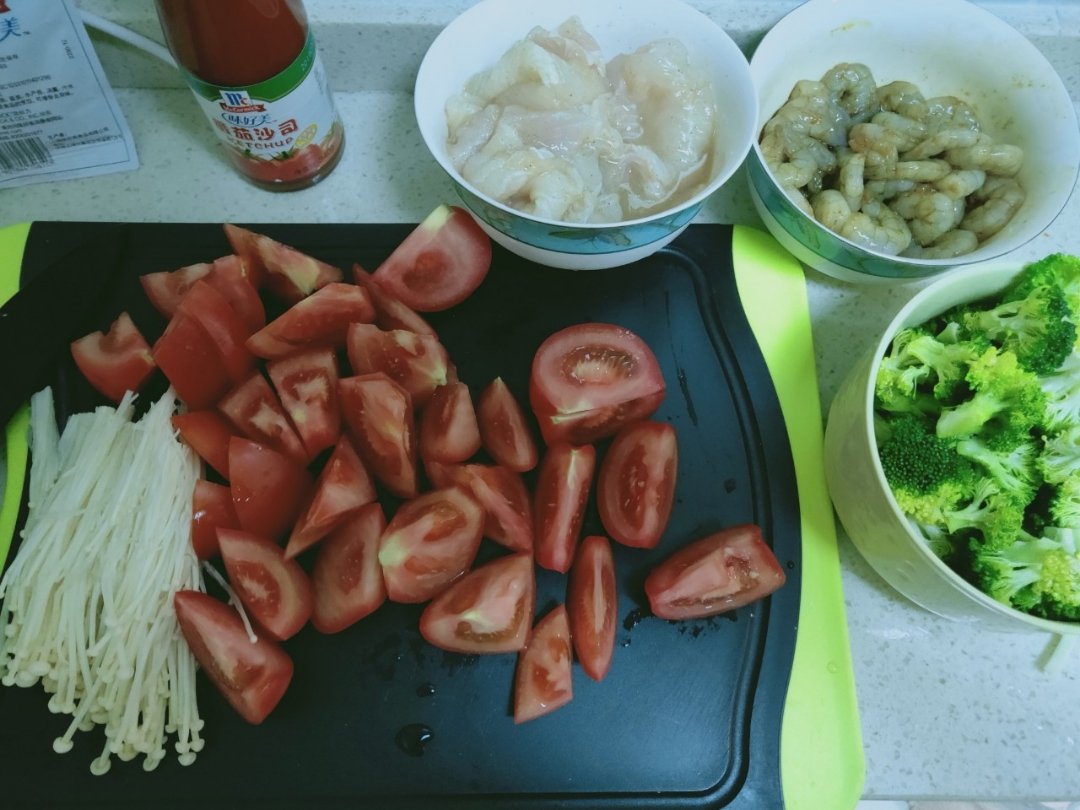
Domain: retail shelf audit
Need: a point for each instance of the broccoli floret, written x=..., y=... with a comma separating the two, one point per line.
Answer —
x=1015, y=471
x=995, y=515
x=919, y=363
x=897, y=377
x=1005, y=397
x=1060, y=456
x=1034, y=574
x=948, y=362
x=1038, y=327
x=1056, y=269
x=1065, y=503
x=1062, y=393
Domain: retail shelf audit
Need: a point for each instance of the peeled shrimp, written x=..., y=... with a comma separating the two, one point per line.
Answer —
x=929, y=213
x=960, y=183
x=955, y=243
x=921, y=171
x=886, y=189
x=853, y=87
x=1001, y=198
x=939, y=142
x=903, y=98
x=851, y=184
x=831, y=209
x=878, y=144
x=993, y=158
x=907, y=132
x=877, y=227
x=949, y=112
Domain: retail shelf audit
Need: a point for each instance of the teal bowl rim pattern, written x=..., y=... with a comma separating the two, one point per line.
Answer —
x=818, y=239
x=566, y=238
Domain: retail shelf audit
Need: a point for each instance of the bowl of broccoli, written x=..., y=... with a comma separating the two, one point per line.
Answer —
x=952, y=450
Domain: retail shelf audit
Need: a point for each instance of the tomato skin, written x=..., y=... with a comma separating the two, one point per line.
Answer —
x=320, y=320
x=232, y=277
x=636, y=485
x=117, y=361
x=190, y=361
x=505, y=499
x=589, y=380
x=211, y=509
x=242, y=242
x=255, y=410
x=591, y=603
x=415, y=362
x=430, y=542
x=269, y=489
x=211, y=310
x=252, y=677
x=306, y=384
x=717, y=573
x=489, y=610
x=378, y=414
x=503, y=428
x=449, y=433
x=347, y=577
x=543, y=680
x=562, y=492
x=390, y=313
x=207, y=433
x=440, y=263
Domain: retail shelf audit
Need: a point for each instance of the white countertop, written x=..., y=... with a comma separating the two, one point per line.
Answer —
x=946, y=711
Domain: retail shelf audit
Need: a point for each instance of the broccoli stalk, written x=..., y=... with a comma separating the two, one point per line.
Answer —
x=1006, y=397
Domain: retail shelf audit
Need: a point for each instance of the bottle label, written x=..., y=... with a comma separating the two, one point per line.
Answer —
x=289, y=114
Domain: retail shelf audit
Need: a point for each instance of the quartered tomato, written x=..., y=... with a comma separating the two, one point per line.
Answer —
x=449, y=433
x=207, y=433
x=232, y=277
x=417, y=363
x=211, y=509
x=306, y=384
x=269, y=489
x=721, y=572
x=347, y=577
x=242, y=242
x=342, y=488
x=592, y=604
x=636, y=486
x=507, y=508
x=390, y=313
x=212, y=311
x=191, y=362
x=440, y=263
x=379, y=416
x=167, y=287
x=276, y=591
x=589, y=380
x=543, y=680
x=115, y=362
x=503, y=429
x=321, y=319
x=489, y=610
x=289, y=274
x=430, y=542
x=562, y=491
x=255, y=411
x=252, y=676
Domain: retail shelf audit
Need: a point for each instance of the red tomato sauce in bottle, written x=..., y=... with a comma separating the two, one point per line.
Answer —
x=254, y=69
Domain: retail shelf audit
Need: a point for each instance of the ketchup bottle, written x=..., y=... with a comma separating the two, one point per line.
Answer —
x=253, y=67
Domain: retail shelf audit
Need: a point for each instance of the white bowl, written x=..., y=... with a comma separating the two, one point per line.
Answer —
x=475, y=41
x=945, y=47
x=861, y=494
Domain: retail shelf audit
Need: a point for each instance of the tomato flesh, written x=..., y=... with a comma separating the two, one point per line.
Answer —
x=717, y=573
x=269, y=489
x=117, y=361
x=378, y=414
x=289, y=274
x=562, y=492
x=415, y=362
x=489, y=610
x=207, y=433
x=636, y=486
x=591, y=604
x=252, y=677
x=255, y=410
x=232, y=277
x=211, y=509
x=390, y=313
x=166, y=288
x=191, y=362
x=503, y=429
x=449, y=433
x=320, y=320
x=347, y=577
x=543, y=681
x=306, y=384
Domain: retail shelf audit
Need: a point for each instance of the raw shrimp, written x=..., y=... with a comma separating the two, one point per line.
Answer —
x=850, y=181
x=993, y=158
x=939, y=142
x=877, y=227
x=831, y=209
x=903, y=98
x=929, y=213
x=852, y=86
x=906, y=131
x=921, y=171
x=1001, y=198
x=886, y=189
x=955, y=243
x=875, y=142
x=949, y=112
x=960, y=183
x=811, y=112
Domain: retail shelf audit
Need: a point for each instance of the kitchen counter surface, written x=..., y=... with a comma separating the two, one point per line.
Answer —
x=946, y=711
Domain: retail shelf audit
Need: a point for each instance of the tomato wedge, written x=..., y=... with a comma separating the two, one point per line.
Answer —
x=347, y=577
x=489, y=610
x=211, y=310
x=275, y=591
x=232, y=277
x=379, y=416
x=543, y=681
x=449, y=433
x=562, y=491
x=211, y=509
x=208, y=434
x=290, y=274
x=389, y=312
x=255, y=411
x=306, y=384
x=320, y=320
x=636, y=486
x=269, y=489
x=115, y=362
x=242, y=242
x=251, y=676
x=505, y=499
x=589, y=380
x=430, y=542
x=503, y=429
x=717, y=573
x=440, y=263
x=592, y=604
x=415, y=362
x=167, y=287
x=191, y=363
x=342, y=488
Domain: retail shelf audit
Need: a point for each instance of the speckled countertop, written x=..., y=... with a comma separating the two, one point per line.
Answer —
x=946, y=712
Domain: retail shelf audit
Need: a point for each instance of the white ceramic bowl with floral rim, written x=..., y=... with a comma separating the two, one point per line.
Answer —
x=945, y=47
x=475, y=41
x=862, y=497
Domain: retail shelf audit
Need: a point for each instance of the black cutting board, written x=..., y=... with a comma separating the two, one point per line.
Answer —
x=690, y=713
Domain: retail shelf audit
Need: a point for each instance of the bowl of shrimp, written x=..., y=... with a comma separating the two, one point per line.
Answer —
x=897, y=141
x=585, y=135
